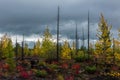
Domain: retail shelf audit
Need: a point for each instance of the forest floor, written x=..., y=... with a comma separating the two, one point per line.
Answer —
x=63, y=70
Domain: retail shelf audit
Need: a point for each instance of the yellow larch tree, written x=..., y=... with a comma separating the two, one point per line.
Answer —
x=103, y=45
x=66, y=51
x=37, y=47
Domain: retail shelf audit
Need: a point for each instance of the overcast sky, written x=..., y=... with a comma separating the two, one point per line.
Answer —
x=31, y=17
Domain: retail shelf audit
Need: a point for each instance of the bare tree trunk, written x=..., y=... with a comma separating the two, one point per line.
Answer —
x=76, y=36
x=23, y=48
x=113, y=51
x=88, y=36
x=58, y=35
x=16, y=51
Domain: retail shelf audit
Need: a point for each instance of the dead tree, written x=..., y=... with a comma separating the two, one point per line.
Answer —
x=22, y=56
x=58, y=35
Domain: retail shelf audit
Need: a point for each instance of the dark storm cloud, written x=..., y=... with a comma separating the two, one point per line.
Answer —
x=31, y=16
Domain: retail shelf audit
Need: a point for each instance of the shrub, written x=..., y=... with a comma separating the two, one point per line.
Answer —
x=90, y=69
x=11, y=64
x=53, y=66
x=41, y=73
x=41, y=64
x=24, y=74
x=19, y=68
x=81, y=57
x=60, y=77
x=64, y=66
x=114, y=74
x=76, y=66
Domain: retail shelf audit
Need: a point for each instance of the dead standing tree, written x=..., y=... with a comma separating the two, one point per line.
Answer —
x=58, y=35
x=88, y=36
x=76, y=37
x=22, y=55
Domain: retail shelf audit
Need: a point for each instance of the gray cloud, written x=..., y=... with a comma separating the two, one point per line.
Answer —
x=32, y=16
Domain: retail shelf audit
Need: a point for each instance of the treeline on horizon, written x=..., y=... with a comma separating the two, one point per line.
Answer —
x=105, y=47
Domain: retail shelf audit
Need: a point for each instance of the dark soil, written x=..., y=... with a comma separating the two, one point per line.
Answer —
x=103, y=77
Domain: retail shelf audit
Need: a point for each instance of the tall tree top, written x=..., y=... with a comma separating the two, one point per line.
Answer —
x=104, y=29
x=37, y=45
x=47, y=34
x=104, y=36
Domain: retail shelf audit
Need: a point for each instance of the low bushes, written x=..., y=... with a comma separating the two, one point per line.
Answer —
x=41, y=73
x=82, y=57
x=90, y=69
